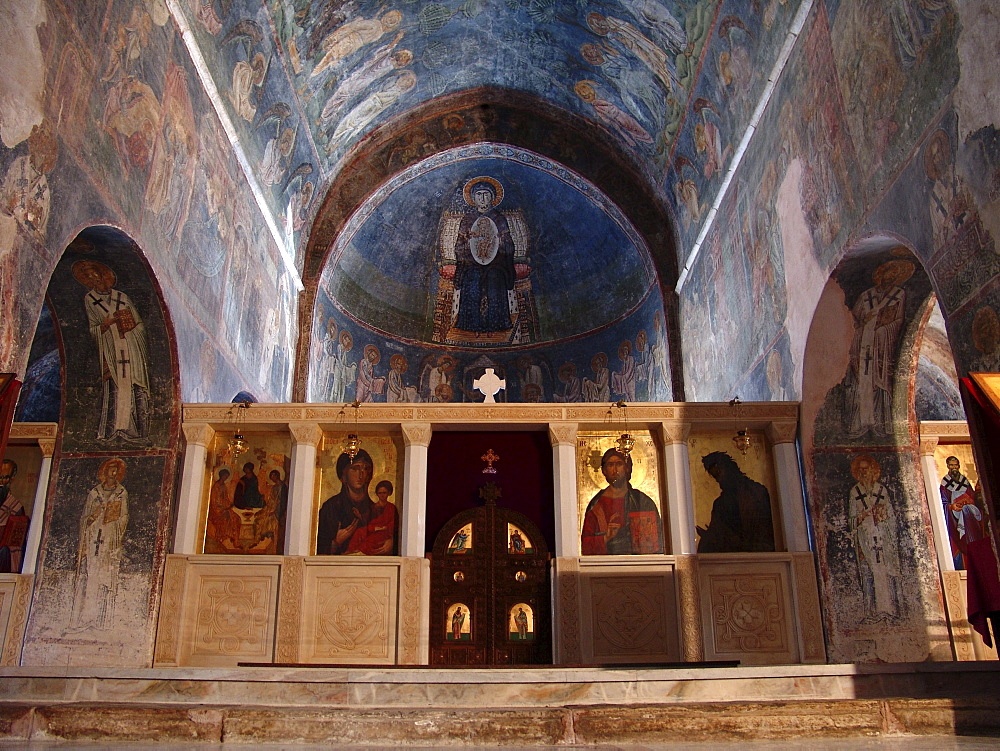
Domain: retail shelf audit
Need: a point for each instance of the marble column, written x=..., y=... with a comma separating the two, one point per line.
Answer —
x=680, y=496
x=563, y=439
x=29, y=559
x=197, y=436
x=413, y=516
x=786, y=473
x=302, y=480
x=932, y=485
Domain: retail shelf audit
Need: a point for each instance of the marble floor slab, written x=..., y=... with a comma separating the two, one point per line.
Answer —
x=897, y=743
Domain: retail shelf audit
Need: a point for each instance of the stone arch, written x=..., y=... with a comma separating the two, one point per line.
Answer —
x=108, y=511
x=498, y=116
x=866, y=496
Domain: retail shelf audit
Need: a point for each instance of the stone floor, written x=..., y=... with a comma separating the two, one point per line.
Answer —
x=897, y=743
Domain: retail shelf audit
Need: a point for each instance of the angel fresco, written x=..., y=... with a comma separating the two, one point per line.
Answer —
x=707, y=139
x=686, y=192
x=171, y=177
x=302, y=194
x=622, y=123
x=634, y=87
x=385, y=60
x=278, y=150
x=636, y=42
x=735, y=67
x=665, y=30
x=370, y=108
x=348, y=38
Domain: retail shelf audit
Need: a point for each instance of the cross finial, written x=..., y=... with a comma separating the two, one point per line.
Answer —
x=490, y=385
x=489, y=457
x=490, y=492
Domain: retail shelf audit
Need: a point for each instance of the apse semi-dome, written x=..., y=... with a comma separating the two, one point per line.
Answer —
x=488, y=256
x=547, y=257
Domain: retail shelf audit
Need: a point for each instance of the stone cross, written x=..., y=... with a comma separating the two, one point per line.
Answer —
x=489, y=384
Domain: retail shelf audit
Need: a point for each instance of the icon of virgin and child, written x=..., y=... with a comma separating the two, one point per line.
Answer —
x=350, y=522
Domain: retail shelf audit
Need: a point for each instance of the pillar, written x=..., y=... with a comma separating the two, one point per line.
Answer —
x=786, y=473
x=563, y=439
x=932, y=485
x=29, y=559
x=301, y=482
x=416, y=439
x=197, y=437
x=680, y=496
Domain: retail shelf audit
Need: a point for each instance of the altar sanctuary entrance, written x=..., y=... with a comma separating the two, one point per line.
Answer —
x=490, y=589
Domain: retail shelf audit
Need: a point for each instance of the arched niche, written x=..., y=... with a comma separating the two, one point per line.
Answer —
x=112, y=481
x=869, y=513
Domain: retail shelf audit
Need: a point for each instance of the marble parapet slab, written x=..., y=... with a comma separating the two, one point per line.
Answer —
x=402, y=688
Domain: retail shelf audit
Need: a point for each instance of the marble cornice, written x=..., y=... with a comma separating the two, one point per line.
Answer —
x=649, y=416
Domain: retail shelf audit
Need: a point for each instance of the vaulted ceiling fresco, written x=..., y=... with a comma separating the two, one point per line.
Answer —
x=672, y=83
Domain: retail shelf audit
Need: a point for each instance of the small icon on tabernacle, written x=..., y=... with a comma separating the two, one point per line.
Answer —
x=489, y=457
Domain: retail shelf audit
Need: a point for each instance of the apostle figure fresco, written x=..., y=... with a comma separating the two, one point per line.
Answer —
x=99, y=554
x=741, y=516
x=872, y=522
x=620, y=519
x=120, y=336
x=878, y=320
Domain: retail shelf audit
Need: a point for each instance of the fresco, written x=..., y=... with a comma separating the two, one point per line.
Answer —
x=885, y=295
x=120, y=389
x=253, y=83
x=875, y=560
x=964, y=510
x=528, y=280
x=729, y=83
x=631, y=68
x=349, y=361
x=93, y=601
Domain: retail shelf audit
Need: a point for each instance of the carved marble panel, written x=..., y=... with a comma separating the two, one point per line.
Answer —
x=230, y=613
x=8, y=583
x=630, y=615
x=966, y=641
x=349, y=613
x=747, y=612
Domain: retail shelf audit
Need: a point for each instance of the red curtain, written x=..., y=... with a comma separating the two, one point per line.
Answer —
x=983, y=569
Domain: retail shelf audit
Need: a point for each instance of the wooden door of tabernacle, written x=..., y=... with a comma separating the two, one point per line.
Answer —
x=490, y=589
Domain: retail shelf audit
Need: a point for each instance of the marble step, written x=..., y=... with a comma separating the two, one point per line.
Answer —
x=468, y=706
